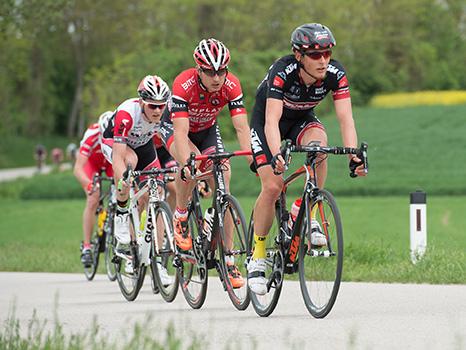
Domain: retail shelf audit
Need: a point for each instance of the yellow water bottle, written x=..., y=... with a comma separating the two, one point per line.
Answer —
x=100, y=222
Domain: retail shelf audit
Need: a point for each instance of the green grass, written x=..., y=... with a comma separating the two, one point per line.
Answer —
x=409, y=149
x=42, y=334
x=19, y=151
x=45, y=236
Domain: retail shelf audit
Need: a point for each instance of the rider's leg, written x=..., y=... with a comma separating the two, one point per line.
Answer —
x=317, y=134
x=92, y=201
x=264, y=209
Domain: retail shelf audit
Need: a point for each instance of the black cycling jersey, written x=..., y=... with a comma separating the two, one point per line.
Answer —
x=283, y=82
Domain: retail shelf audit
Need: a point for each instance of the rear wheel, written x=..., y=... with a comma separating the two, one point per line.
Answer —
x=233, y=252
x=192, y=272
x=90, y=271
x=320, y=267
x=265, y=304
x=163, y=271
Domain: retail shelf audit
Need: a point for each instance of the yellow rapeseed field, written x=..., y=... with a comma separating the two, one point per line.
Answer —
x=404, y=99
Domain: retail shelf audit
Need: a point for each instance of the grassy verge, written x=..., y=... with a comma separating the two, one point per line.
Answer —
x=41, y=335
x=45, y=236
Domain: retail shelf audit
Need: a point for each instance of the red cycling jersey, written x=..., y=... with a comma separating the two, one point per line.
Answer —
x=191, y=100
x=89, y=147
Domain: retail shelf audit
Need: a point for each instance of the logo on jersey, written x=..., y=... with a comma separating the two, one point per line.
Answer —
x=290, y=68
x=188, y=83
x=278, y=82
x=214, y=101
x=332, y=69
x=343, y=82
x=230, y=84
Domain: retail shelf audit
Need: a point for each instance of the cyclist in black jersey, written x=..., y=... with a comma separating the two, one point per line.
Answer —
x=284, y=109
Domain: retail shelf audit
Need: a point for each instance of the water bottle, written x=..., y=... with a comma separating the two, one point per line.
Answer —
x=294, y=212
x=100, y=222
x=208, y=224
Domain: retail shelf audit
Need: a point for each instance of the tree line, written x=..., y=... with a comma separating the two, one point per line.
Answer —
x=63, y=62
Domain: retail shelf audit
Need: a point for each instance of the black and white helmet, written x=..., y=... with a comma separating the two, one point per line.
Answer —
x=104, y=119
x=312, y=36
x=153, y=89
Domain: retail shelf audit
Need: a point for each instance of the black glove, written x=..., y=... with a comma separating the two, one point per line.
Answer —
x=353, y=165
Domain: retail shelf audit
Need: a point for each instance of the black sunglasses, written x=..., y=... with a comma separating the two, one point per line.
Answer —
x=212, y=72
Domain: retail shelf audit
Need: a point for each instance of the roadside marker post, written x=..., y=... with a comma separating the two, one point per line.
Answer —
x=418, y=225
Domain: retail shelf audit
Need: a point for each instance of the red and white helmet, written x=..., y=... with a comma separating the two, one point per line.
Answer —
x=211, y=54
x=153, y=89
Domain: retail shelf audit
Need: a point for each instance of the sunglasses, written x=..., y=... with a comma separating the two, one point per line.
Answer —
x=212, y=73
x=155, y=106
x=316, y=55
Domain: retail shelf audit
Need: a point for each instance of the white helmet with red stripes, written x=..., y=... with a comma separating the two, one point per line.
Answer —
x=153, y=89
x=211, y=54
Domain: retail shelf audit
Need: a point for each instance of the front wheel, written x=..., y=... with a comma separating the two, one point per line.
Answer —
x=265, y=304
x=90, y=271
x=163, y=272
x=233, y=252
x=320, y=267
x=110, y=244
x=193, y=275
x=130, y=271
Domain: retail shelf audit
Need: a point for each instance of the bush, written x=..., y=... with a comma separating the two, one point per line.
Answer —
x=54, y=186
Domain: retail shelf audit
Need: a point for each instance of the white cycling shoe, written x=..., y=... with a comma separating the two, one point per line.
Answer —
x=122, y=228
x=257, y=282
x=317, y=237
x=165, y=278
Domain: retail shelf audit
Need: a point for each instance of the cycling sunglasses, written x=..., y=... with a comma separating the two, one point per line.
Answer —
x=316, y=55
x=155, y=105
x=212, y=73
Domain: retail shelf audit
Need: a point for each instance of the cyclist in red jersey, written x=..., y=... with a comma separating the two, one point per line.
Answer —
x=127, y=140
x=284, y=109
x=190, y=125
x=89, y=161
x=166, y=161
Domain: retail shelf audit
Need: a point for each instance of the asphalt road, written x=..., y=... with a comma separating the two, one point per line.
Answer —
x=366, y=315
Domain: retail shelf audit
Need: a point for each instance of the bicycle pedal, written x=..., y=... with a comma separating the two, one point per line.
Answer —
x=116, y=259
x=177, y=262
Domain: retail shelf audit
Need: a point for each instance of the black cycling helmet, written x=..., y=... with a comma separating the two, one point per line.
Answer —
x=312, y=36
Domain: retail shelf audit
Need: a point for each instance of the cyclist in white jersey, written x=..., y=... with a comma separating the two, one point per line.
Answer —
x=127, y=140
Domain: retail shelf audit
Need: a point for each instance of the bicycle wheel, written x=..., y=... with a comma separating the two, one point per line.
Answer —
x=91, y=270
x=163, y=271
x=192, y=272
x=130, y=272
x=320, y=268
x=110, y=244
x=235, y=251
x=265, y=304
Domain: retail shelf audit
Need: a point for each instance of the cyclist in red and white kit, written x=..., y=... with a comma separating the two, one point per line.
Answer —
x=90, y=161
x=128, y=141
x=284, y=109
x=190, y=125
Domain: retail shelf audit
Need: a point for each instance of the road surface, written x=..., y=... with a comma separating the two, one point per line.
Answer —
x=365, y=316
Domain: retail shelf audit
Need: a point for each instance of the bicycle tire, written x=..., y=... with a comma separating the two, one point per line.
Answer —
x=320, y=268
x=163, y=217
x=238, y=296
x=90, y=271
x=110, y=248
x=264, y=305
x=190, y=275
x=131, y=283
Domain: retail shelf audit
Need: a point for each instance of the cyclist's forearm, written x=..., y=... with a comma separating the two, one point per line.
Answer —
x=272, y=133
x=243, y=133
x=79, y=172
x=118, y=163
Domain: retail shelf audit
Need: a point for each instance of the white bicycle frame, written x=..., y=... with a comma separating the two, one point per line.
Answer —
x=144, y=237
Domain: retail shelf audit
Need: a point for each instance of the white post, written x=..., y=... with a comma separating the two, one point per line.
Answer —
x=418, y=225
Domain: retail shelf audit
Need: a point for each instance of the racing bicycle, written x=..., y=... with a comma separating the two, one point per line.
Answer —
x=290, y=250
